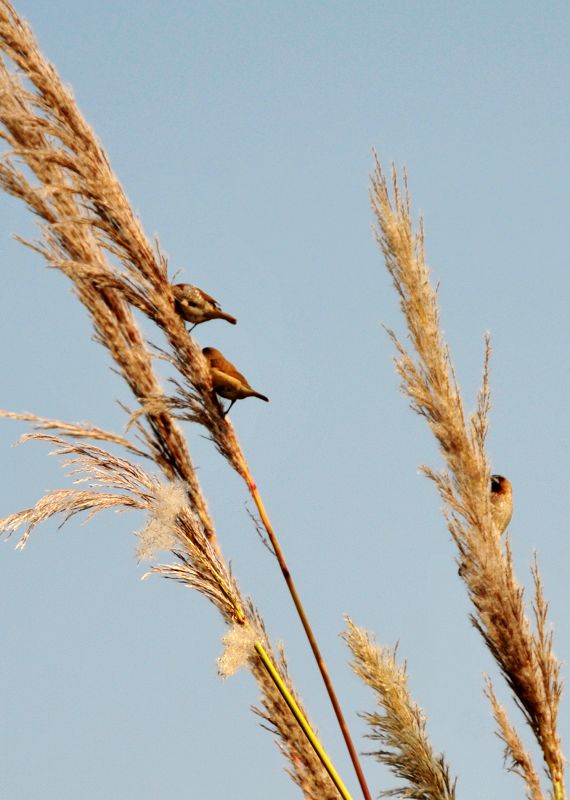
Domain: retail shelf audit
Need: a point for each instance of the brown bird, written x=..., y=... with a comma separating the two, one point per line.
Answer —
x=501, y=502
x=501, y=508
x=196, y=306
x=226, y=380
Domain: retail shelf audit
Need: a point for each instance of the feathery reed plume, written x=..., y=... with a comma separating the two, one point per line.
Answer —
x=69, y=244
x=75, y=431
x=525, y=658
x=119, y=484
x=400, y=728
x=90, y=233
x=87, y=215
x=128, y=486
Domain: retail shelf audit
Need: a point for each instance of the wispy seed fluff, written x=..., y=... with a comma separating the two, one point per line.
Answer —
x=159, y=532
x=239, y=644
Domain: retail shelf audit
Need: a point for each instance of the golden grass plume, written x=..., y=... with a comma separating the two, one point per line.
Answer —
x=400, y=727
x=524, y=656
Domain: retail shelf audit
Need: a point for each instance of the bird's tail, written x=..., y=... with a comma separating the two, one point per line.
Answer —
x=261, y=396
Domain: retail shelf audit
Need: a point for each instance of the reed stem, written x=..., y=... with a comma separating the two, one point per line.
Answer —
x=307, y=628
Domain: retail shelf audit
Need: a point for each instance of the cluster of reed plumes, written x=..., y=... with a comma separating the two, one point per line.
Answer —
x=54, y=163
x=56, y=166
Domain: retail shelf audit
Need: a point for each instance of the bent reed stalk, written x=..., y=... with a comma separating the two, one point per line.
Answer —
x=90, y=233
x=524, y=656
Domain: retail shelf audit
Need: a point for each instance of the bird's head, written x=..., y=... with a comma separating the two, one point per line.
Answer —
x=210, y=353
x=500, y=485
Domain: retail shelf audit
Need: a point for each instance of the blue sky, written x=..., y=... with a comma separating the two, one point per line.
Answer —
x=243, y=135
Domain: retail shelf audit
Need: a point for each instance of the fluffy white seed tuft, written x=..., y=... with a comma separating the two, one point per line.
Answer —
x=159, y=532
x=238, y=643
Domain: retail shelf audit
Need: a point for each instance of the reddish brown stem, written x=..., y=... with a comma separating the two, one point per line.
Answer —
x=308, y=630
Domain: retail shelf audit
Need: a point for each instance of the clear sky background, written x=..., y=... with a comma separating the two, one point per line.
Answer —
x=243, y=132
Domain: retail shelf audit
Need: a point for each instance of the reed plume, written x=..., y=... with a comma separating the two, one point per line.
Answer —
x=92, y=235
x=525, y=656
x=57, y=167
x=400, y=728
x=115, y=483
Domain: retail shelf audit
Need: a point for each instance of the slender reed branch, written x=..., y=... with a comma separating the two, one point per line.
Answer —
x=516, y=758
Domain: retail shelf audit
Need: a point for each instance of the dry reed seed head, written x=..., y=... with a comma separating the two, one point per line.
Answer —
x=400, y=729
x=67, y=502
x=159, y=532
x=239, y=648
x=429, y=382
x=88, y=213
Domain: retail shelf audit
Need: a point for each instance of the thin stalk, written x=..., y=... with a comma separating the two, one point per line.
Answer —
x=307, y=628
x=300, y=717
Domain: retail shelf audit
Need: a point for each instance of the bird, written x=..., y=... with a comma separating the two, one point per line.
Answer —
x=501, y=502
x=195, y=306
x=227, y=382
x=501, y=496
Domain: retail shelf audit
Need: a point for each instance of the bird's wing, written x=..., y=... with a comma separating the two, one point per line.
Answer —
x=208, y=298
x=227, y=385
x=221, y=364
x=184, y=294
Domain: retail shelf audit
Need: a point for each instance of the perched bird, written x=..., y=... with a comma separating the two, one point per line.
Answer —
x=501, y=502
x=501, y=508
x=226, y=380
x=196, y=306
